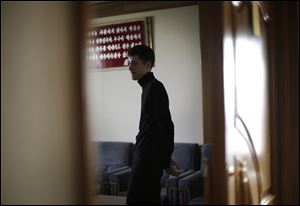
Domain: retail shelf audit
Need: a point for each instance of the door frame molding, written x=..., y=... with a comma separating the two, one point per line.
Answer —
x=211, y=41
x=283, y=41
x=115, y=8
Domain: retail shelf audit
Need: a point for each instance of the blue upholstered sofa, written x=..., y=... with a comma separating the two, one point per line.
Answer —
x=187, y=157
x=111, y=157
x=191, y=187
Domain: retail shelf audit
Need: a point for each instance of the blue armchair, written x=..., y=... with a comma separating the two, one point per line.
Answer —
x=191, y=187
x=186, y=156
x=111, y=157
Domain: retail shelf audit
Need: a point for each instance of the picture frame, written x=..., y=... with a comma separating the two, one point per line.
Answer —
x=108, y=43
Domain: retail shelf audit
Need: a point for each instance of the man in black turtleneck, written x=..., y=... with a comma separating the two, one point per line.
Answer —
x=155, y=140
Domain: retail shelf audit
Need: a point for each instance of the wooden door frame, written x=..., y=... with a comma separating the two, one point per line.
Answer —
x=283, y=52
x=211, y=41
x=115, y=8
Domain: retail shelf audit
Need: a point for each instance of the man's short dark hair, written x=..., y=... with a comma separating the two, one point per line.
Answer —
x=145, y=53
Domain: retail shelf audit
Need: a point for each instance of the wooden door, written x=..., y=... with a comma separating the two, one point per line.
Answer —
x=247, y=139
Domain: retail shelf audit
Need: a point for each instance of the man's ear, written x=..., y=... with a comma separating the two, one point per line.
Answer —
x=149, y=64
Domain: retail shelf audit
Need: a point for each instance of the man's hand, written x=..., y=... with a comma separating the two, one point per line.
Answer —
x=173, y=169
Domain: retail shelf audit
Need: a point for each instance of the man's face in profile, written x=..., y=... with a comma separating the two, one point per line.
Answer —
x=138, y=68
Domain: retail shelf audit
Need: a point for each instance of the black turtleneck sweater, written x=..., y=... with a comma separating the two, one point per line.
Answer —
x=155, y=140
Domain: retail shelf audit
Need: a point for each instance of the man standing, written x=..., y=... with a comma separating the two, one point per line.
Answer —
x=155, y=140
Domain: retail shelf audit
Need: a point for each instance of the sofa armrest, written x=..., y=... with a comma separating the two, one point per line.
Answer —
x=191, y=186
x=172, y=181
x=119, y=181
x=106, y=174
x=171, y=185
x=105, y=182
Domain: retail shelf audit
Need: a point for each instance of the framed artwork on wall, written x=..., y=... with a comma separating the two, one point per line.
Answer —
x=108, y=44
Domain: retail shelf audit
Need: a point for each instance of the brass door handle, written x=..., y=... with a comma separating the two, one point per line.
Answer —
x=241, y=182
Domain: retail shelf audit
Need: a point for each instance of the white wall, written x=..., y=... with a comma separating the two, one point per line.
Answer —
x=114, y=100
